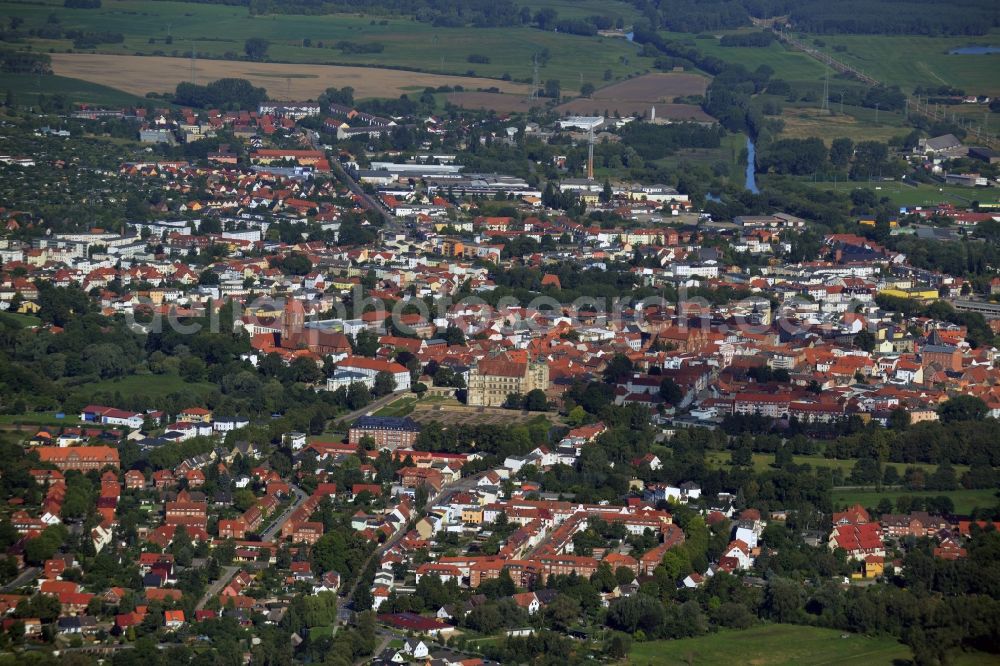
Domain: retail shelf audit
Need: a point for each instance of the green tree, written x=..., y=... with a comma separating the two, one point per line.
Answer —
x=782, y=599
x=453, y=335
x=243, y=499
x=536, y=401
x=742, y=456
x=606, y=192
x=963, y=408
x=617, y=647
x=670, y=391
x=366, y=343
x=562, y=612
x=619, y=368
x=675, y=565
x=899, y=419
x=865, y=341
x=358, y=395
x=841, y=150
x=385, y=384
x=576, y=417
x=256, y=48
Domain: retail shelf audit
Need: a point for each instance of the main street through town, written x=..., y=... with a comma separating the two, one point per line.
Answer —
x=344, y=614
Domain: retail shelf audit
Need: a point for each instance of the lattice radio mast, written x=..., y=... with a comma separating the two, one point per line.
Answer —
x=534, y=78
x=826, y=90
x=590, y=154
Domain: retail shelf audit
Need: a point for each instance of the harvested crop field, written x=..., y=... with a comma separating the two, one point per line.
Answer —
x=499, y=102
x=802, y=123
x=656, y=87
x=636, y=96
x=139, y=75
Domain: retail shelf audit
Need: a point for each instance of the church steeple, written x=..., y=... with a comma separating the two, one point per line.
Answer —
x=293, y=319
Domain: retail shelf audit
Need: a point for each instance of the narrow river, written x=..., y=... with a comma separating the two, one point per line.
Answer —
x=751, y=182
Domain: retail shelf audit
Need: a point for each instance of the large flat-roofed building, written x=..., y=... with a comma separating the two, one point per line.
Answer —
x=388, y=432
x=585, y=123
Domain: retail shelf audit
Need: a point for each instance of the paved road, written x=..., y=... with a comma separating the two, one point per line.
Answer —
x=344, y=614
x=371, y=407
x=275, y=528
x=215, y=588
x=388, y=635
x=367, y=201
x=27, y=576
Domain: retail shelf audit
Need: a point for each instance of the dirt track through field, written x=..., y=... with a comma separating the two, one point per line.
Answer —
x=139, y=75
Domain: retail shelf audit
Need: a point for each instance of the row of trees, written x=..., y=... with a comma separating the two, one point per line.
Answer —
x=223, y=94
x=806, y=157
x=905, y=17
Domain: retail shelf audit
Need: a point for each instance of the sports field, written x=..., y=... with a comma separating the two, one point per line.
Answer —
x=772, y=645
x=138, y=75
x=922, y=195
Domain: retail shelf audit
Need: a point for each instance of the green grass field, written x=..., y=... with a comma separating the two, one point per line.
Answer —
x=151, y=386
x=400, y=407
x=728, y=153
x=904, y=60
x=804, y=119
x=27, y=88
x=772, y=645
x=405, y=405
x=903, y=195
x=791, y=66
x=910, y=61
x=806, y=75
x=763, y=461
x=38, y=419
x=220, y=31
x=922, y=195
x=577, y=9
x=965, y=500
x=19, y=320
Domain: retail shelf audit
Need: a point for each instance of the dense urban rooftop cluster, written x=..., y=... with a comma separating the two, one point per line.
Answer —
x=475, y=403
